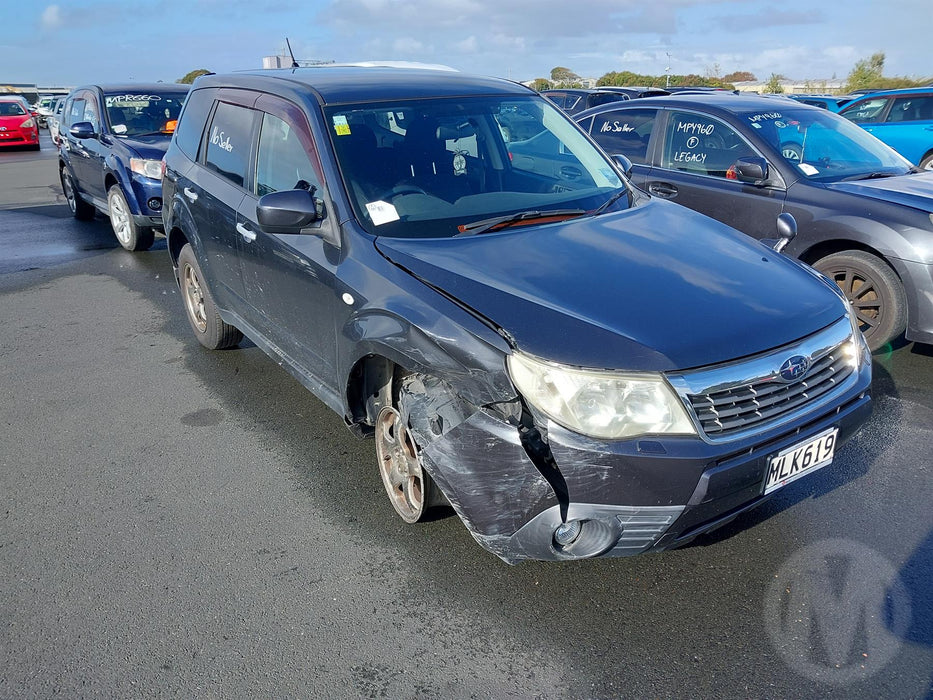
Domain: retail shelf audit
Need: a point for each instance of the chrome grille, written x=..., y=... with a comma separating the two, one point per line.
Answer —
x=749, y=395
x=744, y=406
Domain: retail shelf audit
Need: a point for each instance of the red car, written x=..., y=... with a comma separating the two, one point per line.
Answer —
x=17, y=125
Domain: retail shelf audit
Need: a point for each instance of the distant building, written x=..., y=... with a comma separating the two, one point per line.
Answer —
x=283, y=60
x=822, y=86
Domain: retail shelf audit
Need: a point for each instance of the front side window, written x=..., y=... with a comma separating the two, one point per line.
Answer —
x=282, y=162
x=866, y=111
x=701, y=144
x=143, y=113
x=425, y=168
x=229, y=140
x=625, y=132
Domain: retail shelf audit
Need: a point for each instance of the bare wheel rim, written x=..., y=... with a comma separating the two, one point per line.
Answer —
x=864, y=294
x=399, y=465
x=69, y=192
x=120, y=218
x=194, y=298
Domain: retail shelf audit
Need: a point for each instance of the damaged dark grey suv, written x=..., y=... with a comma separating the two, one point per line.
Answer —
x=578, y=368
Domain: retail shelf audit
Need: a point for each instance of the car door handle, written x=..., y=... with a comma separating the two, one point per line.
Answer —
x=662, y=189
x=928, y=128
x=248, y=236
x=568, y=172
x=191, y=194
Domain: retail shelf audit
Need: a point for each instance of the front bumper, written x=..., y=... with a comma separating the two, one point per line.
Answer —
x=645, y=494
x=918, y=284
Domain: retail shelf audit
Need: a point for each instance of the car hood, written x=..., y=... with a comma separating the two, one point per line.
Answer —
x=915, y=190
x=656, y=287
x=149, y=147
x=14, y=120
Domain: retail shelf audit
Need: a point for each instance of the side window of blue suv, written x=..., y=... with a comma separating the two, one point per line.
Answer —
x=189, y=132
x=282, y=162
x=229, y=141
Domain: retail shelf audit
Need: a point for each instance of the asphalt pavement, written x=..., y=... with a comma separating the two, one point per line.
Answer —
x=178, y=522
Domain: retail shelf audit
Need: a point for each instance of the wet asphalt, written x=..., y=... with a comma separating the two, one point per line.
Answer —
x=176, y=522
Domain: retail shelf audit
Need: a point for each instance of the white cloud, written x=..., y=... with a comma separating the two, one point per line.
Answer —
x=407, y=45
x=51, y=17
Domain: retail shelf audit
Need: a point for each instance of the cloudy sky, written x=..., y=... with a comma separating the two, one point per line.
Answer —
x=78, y=41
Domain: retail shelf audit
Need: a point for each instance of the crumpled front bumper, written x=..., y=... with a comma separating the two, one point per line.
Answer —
x=638, y=495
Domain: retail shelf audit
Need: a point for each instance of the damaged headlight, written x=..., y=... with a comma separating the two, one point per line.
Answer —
x=606, y=405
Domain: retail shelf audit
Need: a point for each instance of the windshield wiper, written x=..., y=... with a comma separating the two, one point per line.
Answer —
x=498, y=222
x=609, y=202
x=870, y=176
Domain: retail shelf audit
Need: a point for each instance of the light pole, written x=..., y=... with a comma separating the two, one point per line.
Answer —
x=668, y=71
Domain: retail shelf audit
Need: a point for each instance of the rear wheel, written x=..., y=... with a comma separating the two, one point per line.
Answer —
x=80, y=209
x=209, y=328
x=927, y=162
x=873, y=290
x=131, y=236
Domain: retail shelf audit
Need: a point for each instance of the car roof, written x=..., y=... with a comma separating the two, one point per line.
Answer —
x=899, y=91
x=722, y=102
x=335, y=84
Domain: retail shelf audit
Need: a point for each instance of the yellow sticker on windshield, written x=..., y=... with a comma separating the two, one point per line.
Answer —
x=341, y=127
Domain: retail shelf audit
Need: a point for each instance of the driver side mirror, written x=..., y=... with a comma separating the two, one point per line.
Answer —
x=624, y=163
x=752, y=170
x=83, y=130
x=288, y=211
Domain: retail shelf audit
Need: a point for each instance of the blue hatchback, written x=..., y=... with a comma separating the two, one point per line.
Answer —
x=112, y=139
x=903, y=119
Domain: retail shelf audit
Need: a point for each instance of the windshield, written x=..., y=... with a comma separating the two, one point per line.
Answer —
x=826, y=147
x=11, y=109
x=430, y=168
x=139, y=114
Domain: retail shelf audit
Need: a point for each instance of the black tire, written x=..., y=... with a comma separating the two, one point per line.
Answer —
x=130, y=235
x=200, y=310
x=36, y=147
x=80, y=209
x=926, y=163
x=873, y=289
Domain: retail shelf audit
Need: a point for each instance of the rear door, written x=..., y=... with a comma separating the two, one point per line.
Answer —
x=908, y=127
x=695, y=154
x=220, y=186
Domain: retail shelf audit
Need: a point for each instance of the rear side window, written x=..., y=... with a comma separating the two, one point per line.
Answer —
x=191, y=125
x=914, y=108
x=228, y=142
x=625, y=132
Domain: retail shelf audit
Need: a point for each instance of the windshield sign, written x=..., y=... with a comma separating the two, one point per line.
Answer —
x=133, y=114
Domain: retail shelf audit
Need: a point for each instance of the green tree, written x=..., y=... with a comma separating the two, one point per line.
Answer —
x=867, y=73
x=774, y=84
x=190, y=76
x=739, y=76
x=540, y=84
x=564, y=77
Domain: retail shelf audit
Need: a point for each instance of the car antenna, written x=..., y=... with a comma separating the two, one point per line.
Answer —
x=294, y=62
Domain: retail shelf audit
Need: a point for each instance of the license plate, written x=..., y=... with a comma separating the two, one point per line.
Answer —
x=800, y=459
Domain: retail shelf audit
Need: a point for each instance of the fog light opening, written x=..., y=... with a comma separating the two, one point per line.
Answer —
x=567, y=533
x=578, y=539
x=154, y=203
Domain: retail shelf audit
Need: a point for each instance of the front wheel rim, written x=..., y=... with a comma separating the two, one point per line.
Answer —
x=399, y=465
x=120, y=219
x=864, y=293
x=69, y=192
x=194, y=298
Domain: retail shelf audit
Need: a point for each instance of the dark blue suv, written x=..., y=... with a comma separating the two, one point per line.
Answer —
x=579, y=369
x=113, y=138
